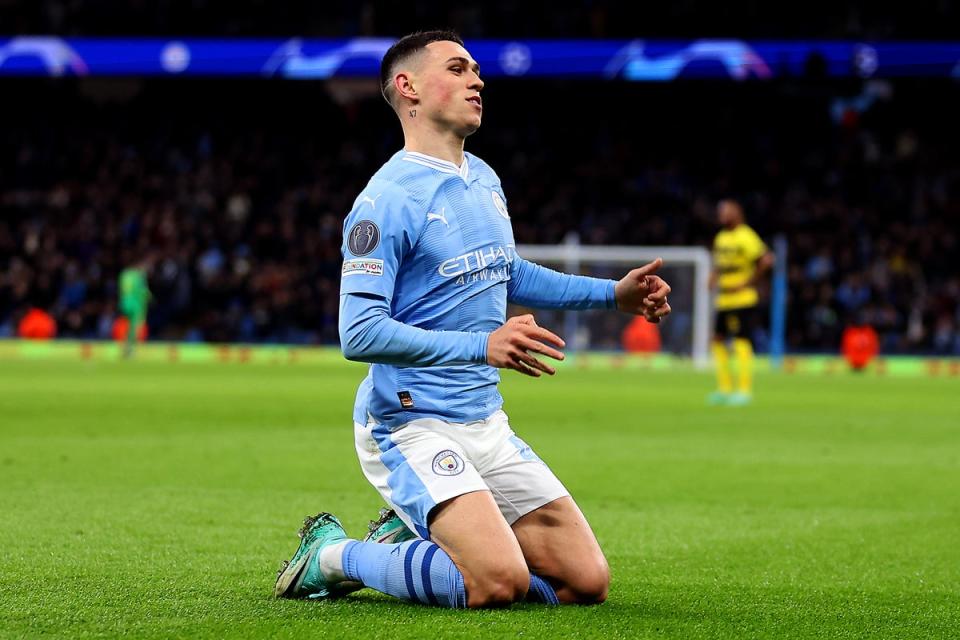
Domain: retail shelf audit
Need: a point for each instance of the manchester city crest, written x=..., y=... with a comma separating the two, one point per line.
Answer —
x=447, y=463
x=500, y=205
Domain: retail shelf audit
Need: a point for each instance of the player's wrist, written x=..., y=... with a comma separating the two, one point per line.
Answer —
x=611, y=294
x=481, y=344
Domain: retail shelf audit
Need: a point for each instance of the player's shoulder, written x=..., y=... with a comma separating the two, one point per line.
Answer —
x=746, y=231
x=480, y=168
x=387, y=203
x=385, y=190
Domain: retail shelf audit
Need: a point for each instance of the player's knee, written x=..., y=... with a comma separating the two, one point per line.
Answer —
x=500, y=587
x=591, y=582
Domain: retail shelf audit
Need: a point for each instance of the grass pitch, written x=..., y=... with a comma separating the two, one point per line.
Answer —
x=156, y=500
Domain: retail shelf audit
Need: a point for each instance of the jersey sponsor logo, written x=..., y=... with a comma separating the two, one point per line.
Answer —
x=448, y=463
x=476, y=260
x=367, y=267
x=363, y=238
x=500, y=205
x=442, y=216
x=372, y=201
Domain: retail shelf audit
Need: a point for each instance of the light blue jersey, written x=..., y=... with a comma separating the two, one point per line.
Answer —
x=429, y=265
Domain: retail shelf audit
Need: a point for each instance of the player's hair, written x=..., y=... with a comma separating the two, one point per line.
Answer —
x=405, y=47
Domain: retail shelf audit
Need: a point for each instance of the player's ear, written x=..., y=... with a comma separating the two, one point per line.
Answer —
x=403, y=83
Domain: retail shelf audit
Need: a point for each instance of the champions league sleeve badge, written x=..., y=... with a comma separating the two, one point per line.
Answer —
x=363, y=238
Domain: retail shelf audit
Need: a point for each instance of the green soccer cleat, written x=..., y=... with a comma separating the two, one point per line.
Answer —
x=388, y=528
x=300, y=577
x=739, y=399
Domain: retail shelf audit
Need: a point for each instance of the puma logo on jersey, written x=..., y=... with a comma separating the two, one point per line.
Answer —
x=442, y=216
x=372, y=201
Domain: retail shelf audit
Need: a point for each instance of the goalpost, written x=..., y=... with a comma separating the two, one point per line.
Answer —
x=686, y=332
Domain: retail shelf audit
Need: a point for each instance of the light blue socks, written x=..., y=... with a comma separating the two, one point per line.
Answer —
x=420, y=571
x=416, y=570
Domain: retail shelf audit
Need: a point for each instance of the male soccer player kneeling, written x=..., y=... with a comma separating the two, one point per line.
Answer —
x=429, y=265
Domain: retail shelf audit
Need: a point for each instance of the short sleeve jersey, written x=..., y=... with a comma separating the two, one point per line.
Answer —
x=134, y=293
x=435, y=241
x=735, y=255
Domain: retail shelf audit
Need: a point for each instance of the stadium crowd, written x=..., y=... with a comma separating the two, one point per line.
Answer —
x=487, y=19
x=236, y=191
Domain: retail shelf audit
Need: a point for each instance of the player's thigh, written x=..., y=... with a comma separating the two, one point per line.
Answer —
x=518, y=478
x=414, y=468
x=559, y=545
x=430, y=481
x=474, y=534
x=751, y=319
x=556, y=541
x=720, y=326
x=729, y=324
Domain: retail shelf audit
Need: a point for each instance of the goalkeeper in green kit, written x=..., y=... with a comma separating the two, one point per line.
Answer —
x=134, y=298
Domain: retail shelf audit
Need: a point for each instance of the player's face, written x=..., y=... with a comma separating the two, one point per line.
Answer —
x=728, y=214
x=450, y=87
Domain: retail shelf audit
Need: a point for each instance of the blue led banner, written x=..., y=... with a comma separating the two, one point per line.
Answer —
x=636, y=60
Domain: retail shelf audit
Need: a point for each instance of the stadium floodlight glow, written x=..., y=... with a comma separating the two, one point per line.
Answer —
x=687, y=269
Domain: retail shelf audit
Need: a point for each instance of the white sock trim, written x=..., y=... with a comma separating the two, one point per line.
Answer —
x=331, y=562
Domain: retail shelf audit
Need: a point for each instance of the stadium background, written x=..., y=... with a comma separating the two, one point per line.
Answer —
x=238, y=187
x=153, y=498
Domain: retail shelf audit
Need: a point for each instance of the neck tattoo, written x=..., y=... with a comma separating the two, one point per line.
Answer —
x=413, y=113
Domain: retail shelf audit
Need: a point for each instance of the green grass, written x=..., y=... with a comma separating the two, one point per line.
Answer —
x=156, y=500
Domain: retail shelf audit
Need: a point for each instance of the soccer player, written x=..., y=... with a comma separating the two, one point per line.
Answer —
x=429, y=266
x=134, y=298
x=740, y=259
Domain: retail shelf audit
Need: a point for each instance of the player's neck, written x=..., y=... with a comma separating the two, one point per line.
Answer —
x=445, y=146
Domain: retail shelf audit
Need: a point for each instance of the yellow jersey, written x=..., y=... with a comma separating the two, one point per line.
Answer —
x=735, y=255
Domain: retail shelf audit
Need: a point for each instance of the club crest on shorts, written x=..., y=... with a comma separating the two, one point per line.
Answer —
x=363, y=238
x=447, y=463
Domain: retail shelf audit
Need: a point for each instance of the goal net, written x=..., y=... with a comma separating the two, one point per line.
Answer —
x=685, y=333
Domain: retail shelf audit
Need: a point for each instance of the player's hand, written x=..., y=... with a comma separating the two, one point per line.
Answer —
x=512, y=347
x=640, y=292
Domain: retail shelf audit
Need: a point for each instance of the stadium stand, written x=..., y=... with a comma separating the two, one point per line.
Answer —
x=242, y=207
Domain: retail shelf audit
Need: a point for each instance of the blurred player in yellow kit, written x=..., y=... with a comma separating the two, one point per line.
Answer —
x=740, y=259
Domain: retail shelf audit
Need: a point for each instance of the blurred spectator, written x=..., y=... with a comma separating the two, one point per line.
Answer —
x=37, y=324
x=239, y=188
x=641, y=336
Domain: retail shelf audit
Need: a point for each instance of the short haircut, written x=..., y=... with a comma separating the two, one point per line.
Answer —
x=405, y=47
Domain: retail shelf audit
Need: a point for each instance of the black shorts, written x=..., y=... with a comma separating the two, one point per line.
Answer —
x=736, y=323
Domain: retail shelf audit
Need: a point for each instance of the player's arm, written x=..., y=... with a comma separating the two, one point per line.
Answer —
x=533, y=285
x=639, y=292
x=369, y=334
x=764, y=263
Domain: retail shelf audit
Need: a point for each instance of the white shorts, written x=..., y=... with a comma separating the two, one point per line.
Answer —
x=428, y=461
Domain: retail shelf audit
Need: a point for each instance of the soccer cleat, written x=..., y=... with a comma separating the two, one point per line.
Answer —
x=718, y=398
x=739, y=399
x=300, y=577
x=388, y=528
